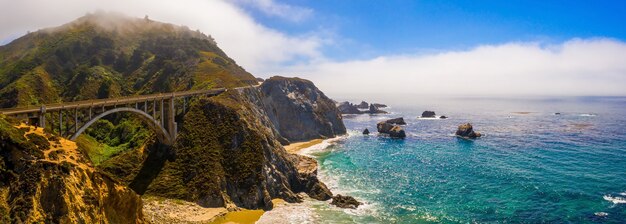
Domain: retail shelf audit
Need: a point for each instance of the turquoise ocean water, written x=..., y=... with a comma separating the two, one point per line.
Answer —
x=534, y=167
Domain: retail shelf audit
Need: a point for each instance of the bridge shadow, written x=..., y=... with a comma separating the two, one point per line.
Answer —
x=158, y=155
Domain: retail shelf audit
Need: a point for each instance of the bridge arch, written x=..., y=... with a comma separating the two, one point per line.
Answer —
x=162, y=134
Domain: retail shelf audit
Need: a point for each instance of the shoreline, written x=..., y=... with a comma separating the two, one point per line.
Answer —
x=297, y=147
x=252, y=216
x=187, y=212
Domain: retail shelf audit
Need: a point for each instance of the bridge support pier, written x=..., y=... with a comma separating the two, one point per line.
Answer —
x=171, y=126
x=61, y=122
x=42, y=116
x=162, y=118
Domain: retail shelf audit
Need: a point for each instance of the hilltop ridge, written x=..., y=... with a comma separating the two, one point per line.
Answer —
x=105, y=55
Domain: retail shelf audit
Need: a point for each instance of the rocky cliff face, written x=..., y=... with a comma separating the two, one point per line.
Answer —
x=227, y=155
x=299, y=110
x=44, y=179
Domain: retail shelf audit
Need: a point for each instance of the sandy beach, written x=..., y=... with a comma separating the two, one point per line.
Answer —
x=296, y=147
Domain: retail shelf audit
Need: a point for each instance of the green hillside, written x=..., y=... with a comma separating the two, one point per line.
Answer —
x=106, y=55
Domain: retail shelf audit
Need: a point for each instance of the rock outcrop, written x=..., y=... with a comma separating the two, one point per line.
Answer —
x=44, y=179
x=443, y=117
x=348, y=108
x=366, y=131
x=363, y=105
x=300, y=111
x=398, y=121
x=467, y=131
x=428, y=114
x=379, y=105
x=393, y=131
x=227, y=155
x=374, y=110
x=345, y=202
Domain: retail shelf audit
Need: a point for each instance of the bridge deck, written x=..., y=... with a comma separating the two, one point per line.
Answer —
x=109, y=101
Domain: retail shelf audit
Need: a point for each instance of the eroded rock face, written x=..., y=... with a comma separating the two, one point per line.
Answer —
x=428, y=114
x=345, y=202
x=300, y=111
x=394, y=131
x=379, y=105
x=467, y=131
x=36, y=187
x=363, y=105
x=227, y=155
x=374, y=110
x=348, y=108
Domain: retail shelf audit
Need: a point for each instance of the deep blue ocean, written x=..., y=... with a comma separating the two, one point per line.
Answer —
x=530, y=166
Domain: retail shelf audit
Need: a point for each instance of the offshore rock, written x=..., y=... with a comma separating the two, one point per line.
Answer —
x=379, y=105
x=374, y=110
x=363, y=105
x=393, y=131
x=428, y=114
x=366, y=131
x=345, y=202
x=348, y=108
x=299, y=110
x=467, y=131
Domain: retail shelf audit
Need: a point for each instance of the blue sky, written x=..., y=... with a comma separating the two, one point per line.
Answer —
x=406, y=27
x=391, y=47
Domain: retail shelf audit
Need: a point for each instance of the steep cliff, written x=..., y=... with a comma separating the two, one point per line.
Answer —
x=299, y=110
x=227, y=155
x=46, y=179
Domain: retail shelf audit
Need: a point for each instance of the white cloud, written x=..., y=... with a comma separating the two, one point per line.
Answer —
x=574, y=67
x=284, y=11
x=254, y=46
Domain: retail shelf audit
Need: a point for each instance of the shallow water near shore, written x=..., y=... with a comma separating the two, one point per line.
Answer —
x=531, y=165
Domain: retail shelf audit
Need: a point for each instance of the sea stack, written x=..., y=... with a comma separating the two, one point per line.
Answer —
x=374, y=110
x=394, y=131
x=366, y=131
x=379, y=105
x=363, y=105
x=345, y=202
x=428, y=114
x=348, y=108
x=467, y=131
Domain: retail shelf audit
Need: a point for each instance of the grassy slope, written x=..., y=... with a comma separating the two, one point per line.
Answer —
x=105, y=55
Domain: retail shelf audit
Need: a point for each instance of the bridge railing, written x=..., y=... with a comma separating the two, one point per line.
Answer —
x=108, y=101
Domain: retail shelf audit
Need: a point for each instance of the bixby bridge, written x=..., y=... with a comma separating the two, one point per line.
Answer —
x=70, y=119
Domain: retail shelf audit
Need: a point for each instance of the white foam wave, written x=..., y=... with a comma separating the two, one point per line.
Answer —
x=601, y=214
x=431, y=118
x=622, y=194
x=587, y=115
x=615, y=200
x=291, y=213
x=308, y=151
